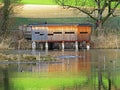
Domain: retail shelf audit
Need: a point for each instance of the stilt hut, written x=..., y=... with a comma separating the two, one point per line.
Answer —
x=47, y=33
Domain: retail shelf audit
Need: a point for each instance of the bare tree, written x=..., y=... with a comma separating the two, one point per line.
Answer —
x=6, y=10
x=95, y=9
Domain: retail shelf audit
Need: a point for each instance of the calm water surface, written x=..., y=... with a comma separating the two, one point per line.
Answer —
x=96, y=69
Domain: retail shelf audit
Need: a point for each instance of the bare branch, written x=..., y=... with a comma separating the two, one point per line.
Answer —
x=104, y=6
x=82, y=10
x=111, y=12
x=99, y=7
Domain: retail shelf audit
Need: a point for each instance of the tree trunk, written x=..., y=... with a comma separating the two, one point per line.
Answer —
x=99, y=20
x=5, y=17
x=100, y=26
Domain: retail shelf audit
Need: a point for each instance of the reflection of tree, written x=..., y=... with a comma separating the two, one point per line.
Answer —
x=101, y=77
x=6, y=78
x=106, y=76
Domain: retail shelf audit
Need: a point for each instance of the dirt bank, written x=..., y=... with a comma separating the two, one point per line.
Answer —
x=45, y=11
x=48, y=11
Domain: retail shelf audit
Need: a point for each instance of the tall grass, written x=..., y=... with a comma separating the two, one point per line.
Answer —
x=106, y=39
x=48, y=81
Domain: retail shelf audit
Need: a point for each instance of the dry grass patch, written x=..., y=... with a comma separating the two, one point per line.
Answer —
x=46, y=11
x=109, y=41
x=25, y=57
x=49, y=11
x=4, y=44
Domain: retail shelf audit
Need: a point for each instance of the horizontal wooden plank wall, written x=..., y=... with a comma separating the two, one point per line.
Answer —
x=58, y=33
x=84, y=33
x=62, y=33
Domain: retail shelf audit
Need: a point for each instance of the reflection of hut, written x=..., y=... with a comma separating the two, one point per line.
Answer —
x=66, y=64
x=61, y=33
x=75, y=62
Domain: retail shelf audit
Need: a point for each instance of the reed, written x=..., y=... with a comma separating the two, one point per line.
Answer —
x=106, y=40
x=25, y=57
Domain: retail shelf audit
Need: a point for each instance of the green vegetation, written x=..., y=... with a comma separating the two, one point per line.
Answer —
x=112, y=23
x=22, y=21
x=38, y=81
x=41, y=81
x=49, y=2
x=117, y=82
x=40, y=2
x=44, y=2
x=45, y=83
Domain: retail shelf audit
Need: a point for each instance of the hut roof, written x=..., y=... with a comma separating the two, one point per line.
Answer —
x=66, y=24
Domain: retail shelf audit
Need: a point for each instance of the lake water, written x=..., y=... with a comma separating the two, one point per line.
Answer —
x=95, y=69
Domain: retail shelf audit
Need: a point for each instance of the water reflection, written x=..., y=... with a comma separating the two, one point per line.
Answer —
x=87, y=70
x=68, y=61
x=4, y=77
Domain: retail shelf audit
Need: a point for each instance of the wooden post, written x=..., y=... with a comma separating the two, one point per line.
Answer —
x=63, y=46
x=41, y=46
x=76, y=45
x=33, y=45
x=88, y=46
x=46, y=45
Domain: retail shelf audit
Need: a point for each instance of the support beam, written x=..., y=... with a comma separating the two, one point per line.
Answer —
x=41, y=46
x=76, y=45
x=88, y=46
x=46, y=45
x=63, y=46
x=33, y=45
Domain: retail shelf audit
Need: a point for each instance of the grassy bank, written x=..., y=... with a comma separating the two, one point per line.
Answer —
x=62, y=81
x=40, y=2
x=112, y=23
x=26, y=57
x=22, y=21
x=53, y=2
x=46, y=83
